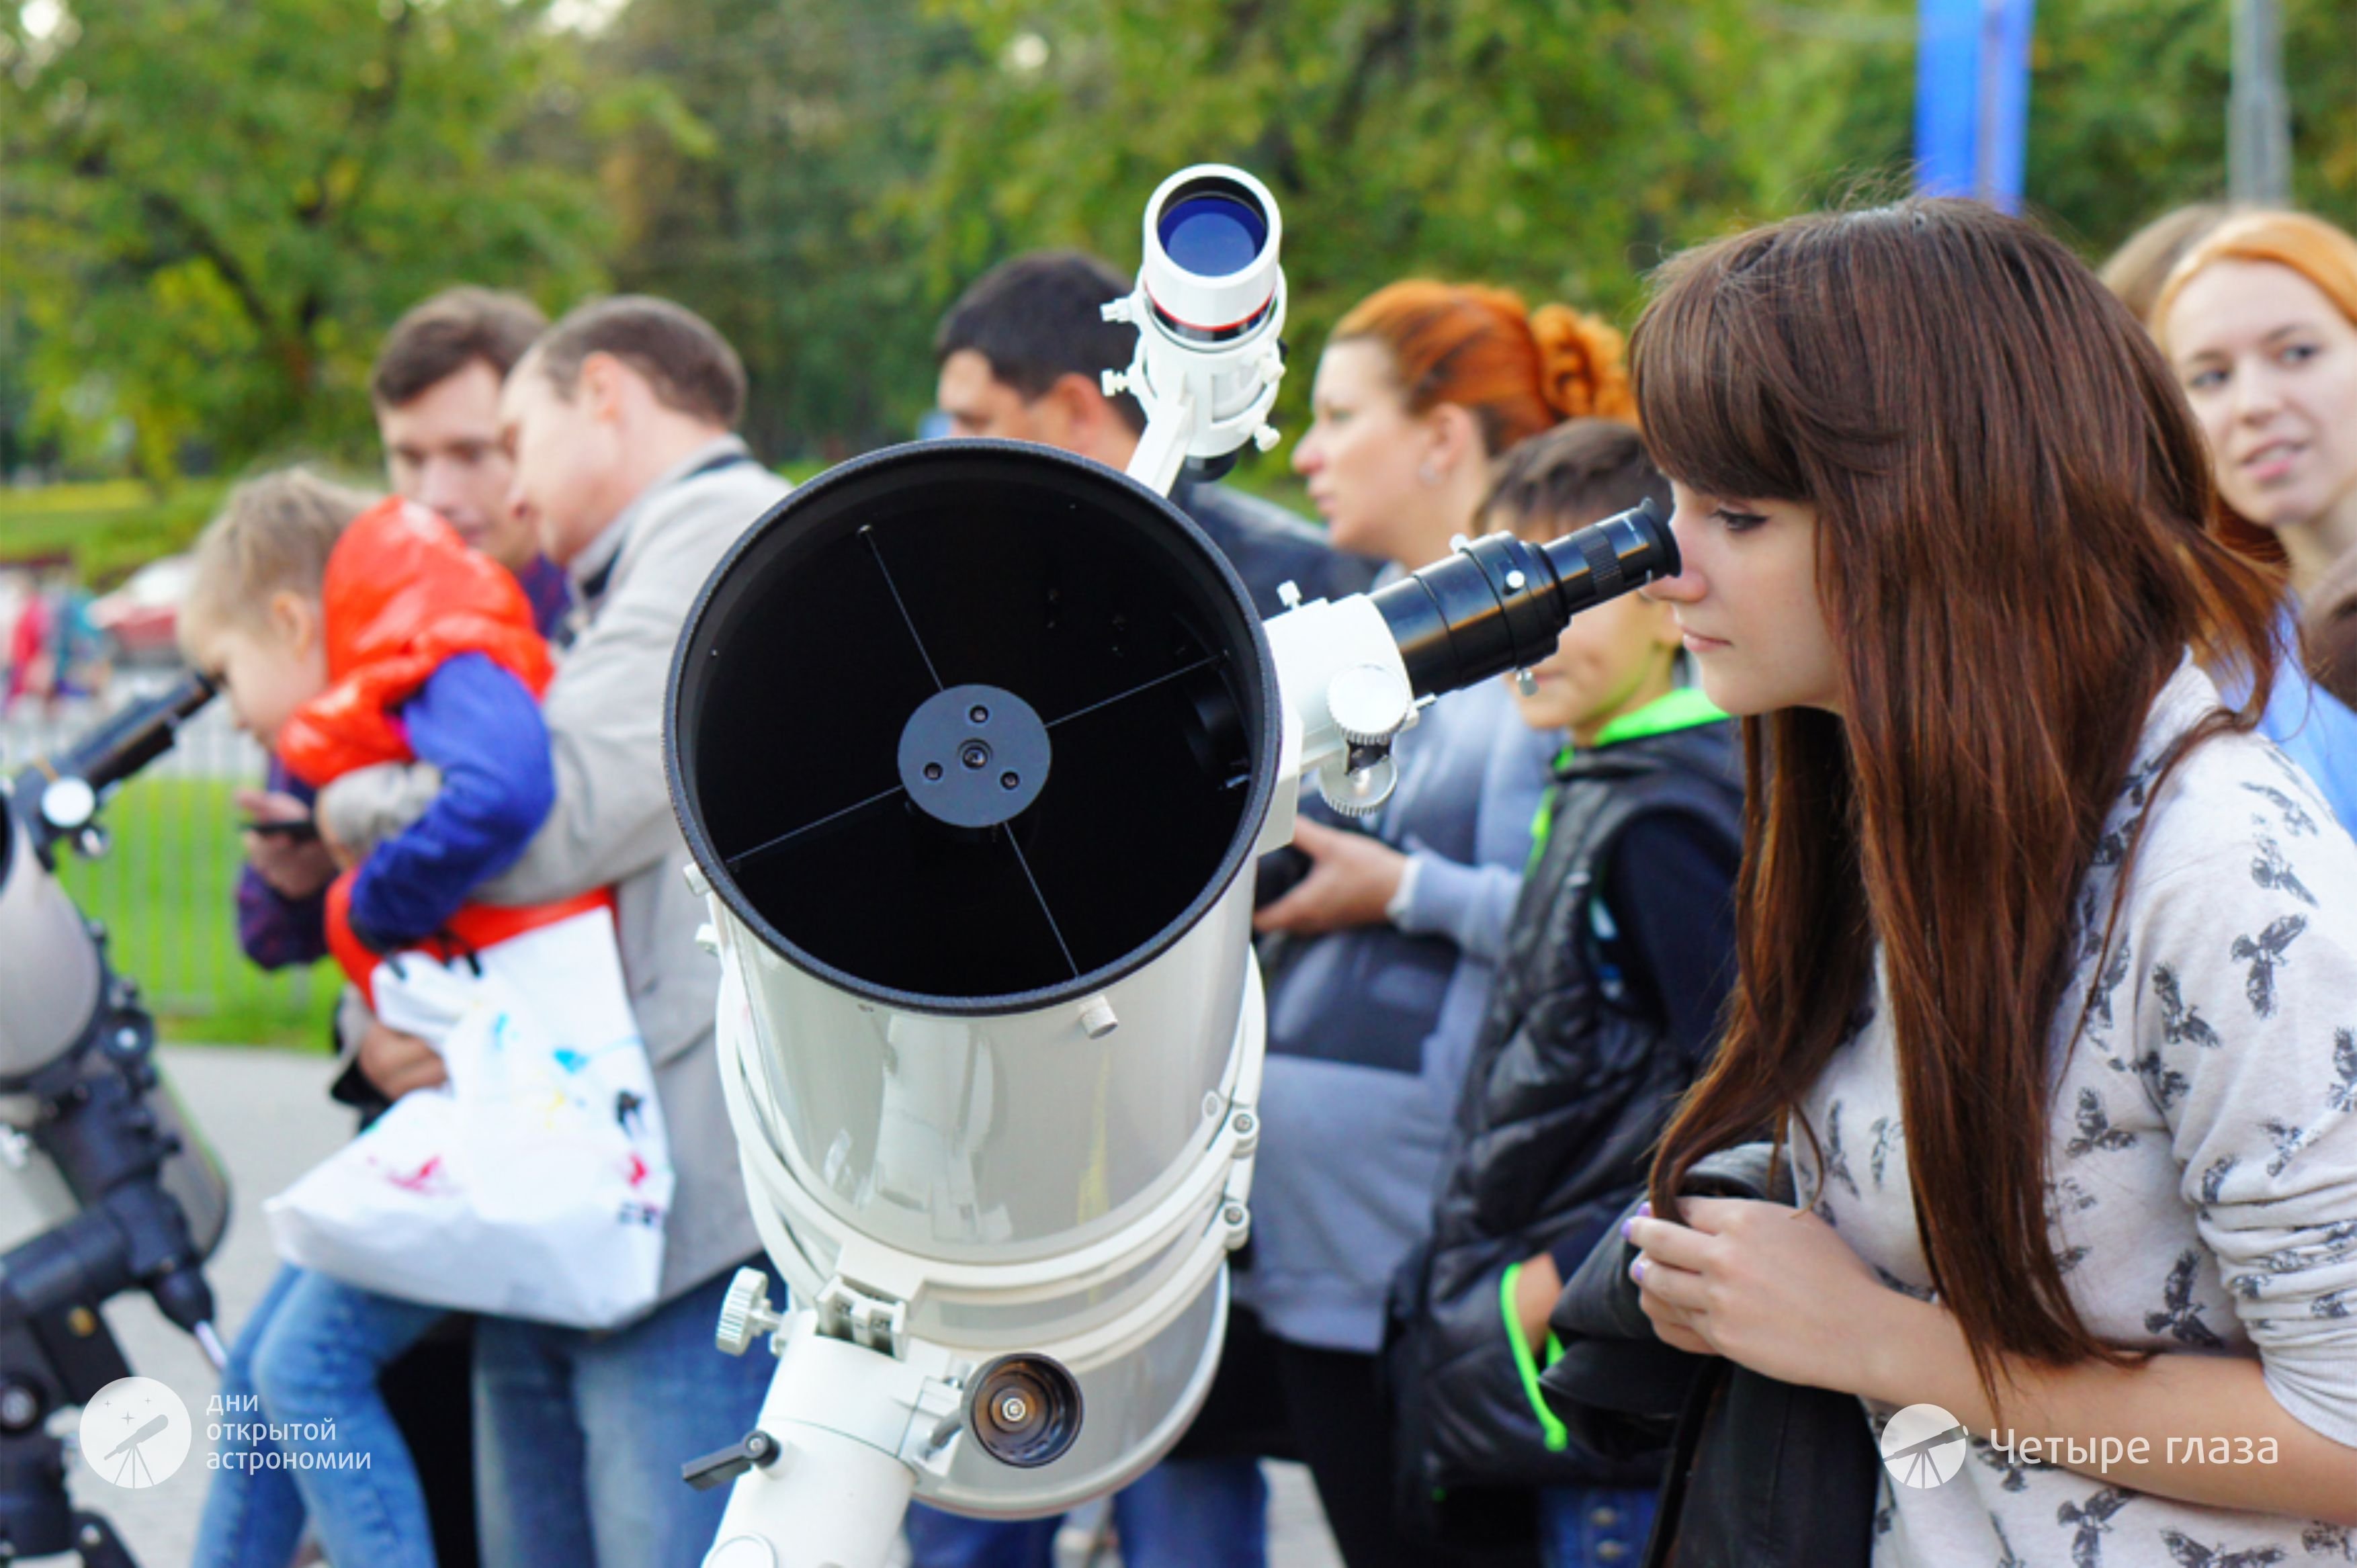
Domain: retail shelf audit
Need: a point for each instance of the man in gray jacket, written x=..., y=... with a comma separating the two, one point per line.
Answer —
x=620, y=420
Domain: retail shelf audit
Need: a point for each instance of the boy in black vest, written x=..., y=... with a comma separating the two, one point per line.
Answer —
x=1605, y=1006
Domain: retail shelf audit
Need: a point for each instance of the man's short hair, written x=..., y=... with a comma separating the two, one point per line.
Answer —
x=444, y=335
x=1573, y=474
x=690, y=366
x=1039, y=318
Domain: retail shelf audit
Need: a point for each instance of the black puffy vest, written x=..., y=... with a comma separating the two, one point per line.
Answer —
x=1569, y=1085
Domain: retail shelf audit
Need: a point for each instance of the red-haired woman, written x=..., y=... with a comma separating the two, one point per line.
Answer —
x=1377, y=988
x=2048, y=962
x=2259, y=320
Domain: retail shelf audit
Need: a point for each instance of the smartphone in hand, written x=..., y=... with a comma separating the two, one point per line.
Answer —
x=300, y=829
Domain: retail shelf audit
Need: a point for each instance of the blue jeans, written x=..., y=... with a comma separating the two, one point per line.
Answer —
x=579, y=1434
x=1595, y=1527
x=311, y=1351
x=1183, y=1513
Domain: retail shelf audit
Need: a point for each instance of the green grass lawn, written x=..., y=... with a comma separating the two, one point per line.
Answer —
x=166, y=894
x=110, y=528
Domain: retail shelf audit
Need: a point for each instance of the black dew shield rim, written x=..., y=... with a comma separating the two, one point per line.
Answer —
x=840, y=801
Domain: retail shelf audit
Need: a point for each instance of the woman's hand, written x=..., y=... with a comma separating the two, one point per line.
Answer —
x=1771, y=1288
x=1351, y=879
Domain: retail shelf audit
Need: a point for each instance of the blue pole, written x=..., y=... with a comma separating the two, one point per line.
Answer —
x=1972, y=98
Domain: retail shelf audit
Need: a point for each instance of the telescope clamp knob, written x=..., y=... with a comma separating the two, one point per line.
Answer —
x=1369, y=703
x=1359, y=792
x=68, y=804
x=746, y=1315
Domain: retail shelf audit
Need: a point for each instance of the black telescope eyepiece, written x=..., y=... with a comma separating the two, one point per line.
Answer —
x=1499, y=602
x=133, y=737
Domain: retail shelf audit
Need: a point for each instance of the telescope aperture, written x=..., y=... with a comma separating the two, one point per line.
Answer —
x=839, y=656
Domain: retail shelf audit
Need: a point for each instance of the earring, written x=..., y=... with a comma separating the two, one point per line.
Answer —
x=1428, y=473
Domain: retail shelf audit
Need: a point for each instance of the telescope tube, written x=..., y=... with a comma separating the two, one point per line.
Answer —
x=136, y=736
x=1499, y=602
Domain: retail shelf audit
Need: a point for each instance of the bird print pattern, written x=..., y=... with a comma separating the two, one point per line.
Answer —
x=2193, y=1554
x=2270, y=869
x=2341, y=1096
x=2089, y=1521
x=2202, y=1156
x=2329, y=1540
x=2095, y=1129
x=2265, y=954
x=2297, y=821
x=2179, y=1022
x=2180, y=1316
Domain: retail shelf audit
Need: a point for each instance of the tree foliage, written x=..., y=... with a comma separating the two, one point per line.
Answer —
x=214, y=208
x=762, y=201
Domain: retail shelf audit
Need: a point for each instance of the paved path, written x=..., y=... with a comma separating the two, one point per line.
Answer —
x=268, y=1116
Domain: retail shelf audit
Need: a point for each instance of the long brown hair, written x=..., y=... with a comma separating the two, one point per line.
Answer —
x=2013, y=557
x=1517, y=371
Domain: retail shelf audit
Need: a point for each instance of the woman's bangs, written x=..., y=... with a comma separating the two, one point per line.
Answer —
x=1704, y=399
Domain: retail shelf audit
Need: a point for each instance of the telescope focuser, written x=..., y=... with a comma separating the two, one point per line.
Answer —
x=1499, y=602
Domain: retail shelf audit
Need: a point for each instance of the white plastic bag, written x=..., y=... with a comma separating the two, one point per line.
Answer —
x=535, y=1183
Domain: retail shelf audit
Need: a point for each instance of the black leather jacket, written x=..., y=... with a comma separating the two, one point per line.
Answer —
x=1572, y=1079
x=1761, y=1474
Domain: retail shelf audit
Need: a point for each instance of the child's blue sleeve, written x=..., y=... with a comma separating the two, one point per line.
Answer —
x=481, y=727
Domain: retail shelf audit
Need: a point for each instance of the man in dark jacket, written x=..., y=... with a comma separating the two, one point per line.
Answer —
x=1604, y=1008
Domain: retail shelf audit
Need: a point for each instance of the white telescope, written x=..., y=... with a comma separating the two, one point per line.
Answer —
x=974, y=744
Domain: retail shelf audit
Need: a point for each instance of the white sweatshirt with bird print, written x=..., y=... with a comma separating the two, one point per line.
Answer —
x=2201, y=1176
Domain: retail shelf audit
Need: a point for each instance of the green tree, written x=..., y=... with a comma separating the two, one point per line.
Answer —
x=759, y=198
x=1562, y=147
x=214, y=208
x=2129, y=109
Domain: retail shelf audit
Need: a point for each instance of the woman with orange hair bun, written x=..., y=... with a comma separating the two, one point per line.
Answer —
x=1381, y=956
x=1421, y=386
x=2259, y=321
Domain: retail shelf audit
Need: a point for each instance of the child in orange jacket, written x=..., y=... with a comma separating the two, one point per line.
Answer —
x=347, y=631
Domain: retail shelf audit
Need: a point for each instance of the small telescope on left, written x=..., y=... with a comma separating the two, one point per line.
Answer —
x=104, y=1186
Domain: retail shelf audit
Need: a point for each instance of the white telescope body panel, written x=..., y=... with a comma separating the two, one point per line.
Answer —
x=1000, y=1138
x=49, y=965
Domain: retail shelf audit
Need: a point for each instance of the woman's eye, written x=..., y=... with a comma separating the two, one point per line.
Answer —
x=1738, y=522
x=2206, y=381
x=2299, y=353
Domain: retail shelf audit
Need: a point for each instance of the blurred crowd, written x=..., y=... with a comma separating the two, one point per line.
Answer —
x=1953, y=858
x=55, y=652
